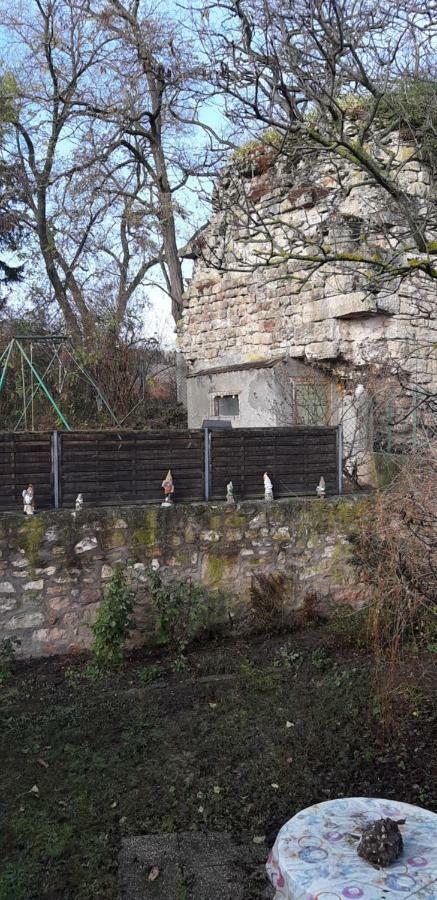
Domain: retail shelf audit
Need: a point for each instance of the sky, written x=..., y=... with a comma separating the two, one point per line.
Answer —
x=157, y=314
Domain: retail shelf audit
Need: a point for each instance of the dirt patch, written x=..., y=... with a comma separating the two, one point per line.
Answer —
x=87, y=763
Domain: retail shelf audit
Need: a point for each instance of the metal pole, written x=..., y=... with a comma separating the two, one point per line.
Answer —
x=34, y=393
x=43, y=387
x=56, y=469
x=8, y=352
x=23, y=383
x=340, y=457
x=206, y=461
x=32, y=412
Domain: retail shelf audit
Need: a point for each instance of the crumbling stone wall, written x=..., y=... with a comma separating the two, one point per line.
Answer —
x=257, y=293
x=53, y=568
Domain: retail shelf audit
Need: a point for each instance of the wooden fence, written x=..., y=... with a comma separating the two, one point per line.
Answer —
x=128, y=467
x=25, y=459
x=111, y=468
x=295, y=459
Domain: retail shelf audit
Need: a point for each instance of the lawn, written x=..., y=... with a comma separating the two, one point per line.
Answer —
x=251, y=733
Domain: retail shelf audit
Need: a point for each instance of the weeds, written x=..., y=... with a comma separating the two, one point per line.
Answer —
x=397, y=552
x=7, y=658
x=182, y=609
x=266, y=603
x=255, y=679
x=114, y=623
x=320, y=659
x=350, y=627
x=287, y=659
x=149, y=674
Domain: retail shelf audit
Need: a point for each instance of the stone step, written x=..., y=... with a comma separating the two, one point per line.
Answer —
x=192, y=866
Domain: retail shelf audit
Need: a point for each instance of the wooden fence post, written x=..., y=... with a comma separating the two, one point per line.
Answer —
x=56, y=469
x=207, y=461
x=340, y=458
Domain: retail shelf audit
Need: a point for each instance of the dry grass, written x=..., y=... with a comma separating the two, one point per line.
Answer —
x=398, y=552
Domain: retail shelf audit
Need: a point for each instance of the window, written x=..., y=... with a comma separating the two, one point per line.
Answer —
x=226, y=405
x=311, y=403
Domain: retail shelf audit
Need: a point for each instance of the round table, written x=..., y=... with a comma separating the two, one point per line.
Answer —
x=315, y=854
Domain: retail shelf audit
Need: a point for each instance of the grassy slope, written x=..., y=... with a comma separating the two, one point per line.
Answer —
x=180, y=754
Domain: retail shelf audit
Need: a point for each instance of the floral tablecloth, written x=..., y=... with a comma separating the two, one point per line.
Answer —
x=315, y=857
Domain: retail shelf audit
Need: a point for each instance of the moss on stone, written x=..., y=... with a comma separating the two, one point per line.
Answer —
x=214, y=521
x=235, y=520
x=115, y=538
x=32, y=532
x=216, y=569
x=340, y=561
x=189, y=534
x=146, y=534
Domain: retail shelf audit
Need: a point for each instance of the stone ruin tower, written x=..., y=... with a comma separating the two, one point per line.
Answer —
x=289, y=319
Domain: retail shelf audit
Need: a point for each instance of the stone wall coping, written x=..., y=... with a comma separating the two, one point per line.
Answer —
x=243, y=505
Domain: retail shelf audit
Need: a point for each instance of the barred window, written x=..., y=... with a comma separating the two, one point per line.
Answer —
x=226, y=405
x=311, y=403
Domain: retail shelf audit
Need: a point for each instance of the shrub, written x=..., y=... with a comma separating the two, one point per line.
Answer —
x=182, y=610
x=114, y=622
x=398, y=555
x=411, y=104
x=266, y=611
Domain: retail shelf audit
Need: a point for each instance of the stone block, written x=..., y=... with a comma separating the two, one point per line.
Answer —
x=6, y=587
x=34, y=585
x=322, y=350
x=25, y=619
x=85, y=545
x=341, y=306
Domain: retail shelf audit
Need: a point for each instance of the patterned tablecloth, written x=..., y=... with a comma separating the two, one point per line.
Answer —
x=315, y=858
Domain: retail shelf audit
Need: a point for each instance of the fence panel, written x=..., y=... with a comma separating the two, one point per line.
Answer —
x=295, y=459
x=128, y=467
x=25, y=459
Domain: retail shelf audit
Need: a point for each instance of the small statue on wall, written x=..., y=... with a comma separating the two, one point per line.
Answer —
x=321, y=488
x=79, y=503
x=28, y=500
x=268, y=488
x=230, y=500
x=168, y=486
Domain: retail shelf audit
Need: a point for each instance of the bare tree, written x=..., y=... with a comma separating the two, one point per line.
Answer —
x=86, y=214
x=152, y=101
x=100, y=109
x=10, y=191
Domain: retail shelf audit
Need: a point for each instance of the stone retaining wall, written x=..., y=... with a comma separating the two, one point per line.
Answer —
x=53, y=567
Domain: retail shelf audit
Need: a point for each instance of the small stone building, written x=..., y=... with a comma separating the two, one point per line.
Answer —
x=273, y=336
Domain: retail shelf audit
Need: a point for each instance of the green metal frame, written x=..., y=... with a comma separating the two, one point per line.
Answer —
x=16, y=342
x=44, y=388
x=6, y=353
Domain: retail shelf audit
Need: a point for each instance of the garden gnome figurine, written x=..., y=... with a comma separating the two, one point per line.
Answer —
x=28, y=500
x=230, y=494
x=168, y=486
x=268, y=488
x=321, y=488
x=79, y=502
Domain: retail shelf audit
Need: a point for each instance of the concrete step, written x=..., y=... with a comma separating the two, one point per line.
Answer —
x=192, y=866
